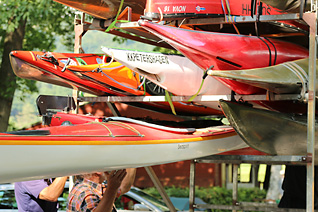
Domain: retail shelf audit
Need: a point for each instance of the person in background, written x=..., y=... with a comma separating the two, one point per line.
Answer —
x=88, y=194
x=295, y=187
x=39, y=195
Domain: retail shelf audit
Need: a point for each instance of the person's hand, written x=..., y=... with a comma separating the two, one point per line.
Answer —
x=115, y=178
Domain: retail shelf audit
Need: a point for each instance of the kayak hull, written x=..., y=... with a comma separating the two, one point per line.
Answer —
x=285, y=78
x=164, y=69
x=202, y=9
x=225, y=51
x=106, y=9
x=92, y=147
x=287, y=5
x=289, y=77
x=267, y=131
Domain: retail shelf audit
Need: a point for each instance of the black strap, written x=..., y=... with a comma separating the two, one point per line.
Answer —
x=49, y=58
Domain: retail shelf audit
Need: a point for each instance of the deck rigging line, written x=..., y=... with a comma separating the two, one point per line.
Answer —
x=169, y=129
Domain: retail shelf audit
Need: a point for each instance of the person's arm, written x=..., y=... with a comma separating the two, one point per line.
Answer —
x=114, y=179
x=53, y=191
x=128, y=181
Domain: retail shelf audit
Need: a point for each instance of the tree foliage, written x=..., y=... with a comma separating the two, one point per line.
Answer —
x=213, y=195
x=45, y=20
x=28, y=25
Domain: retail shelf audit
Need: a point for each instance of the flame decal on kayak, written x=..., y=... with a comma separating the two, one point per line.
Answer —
x=33, y=56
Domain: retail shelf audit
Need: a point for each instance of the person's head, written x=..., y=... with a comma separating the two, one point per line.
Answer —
x=97, y=177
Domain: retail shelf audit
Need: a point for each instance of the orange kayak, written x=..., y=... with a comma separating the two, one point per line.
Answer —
x=113, y=74
x=51, y=68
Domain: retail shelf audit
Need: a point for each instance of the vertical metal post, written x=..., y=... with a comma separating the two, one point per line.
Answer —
x=230, y=173
x=160, y=188
x=79, y=33
x=311, y=118
x=192, y=186
x=311, y=19
x=301, y=8
x=255, y=168
x=235, y=185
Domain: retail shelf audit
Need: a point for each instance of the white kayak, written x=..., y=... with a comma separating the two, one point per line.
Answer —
x=113, y=144
x=175, y=73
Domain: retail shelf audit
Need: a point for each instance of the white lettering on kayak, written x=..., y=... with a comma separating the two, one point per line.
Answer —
x=179, y=9
x=183, y=146
x=147, y=58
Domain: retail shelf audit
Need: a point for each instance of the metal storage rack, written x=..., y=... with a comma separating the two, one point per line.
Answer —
x=236, y=160
x=81, y=27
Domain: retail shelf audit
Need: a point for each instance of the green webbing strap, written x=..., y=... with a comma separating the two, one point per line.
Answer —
x=112, y=25
x=123, y=21
x=203, y=78
x=168, y=98
x=144, y=87
x=142, y=83
x=195, y=95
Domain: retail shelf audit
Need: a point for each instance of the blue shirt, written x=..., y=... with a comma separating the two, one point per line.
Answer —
x=27, y=197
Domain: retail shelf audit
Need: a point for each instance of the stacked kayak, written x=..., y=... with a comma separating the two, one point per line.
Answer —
x=105, y=9
x=164, y=69
x=268, y=131
x=87, y=74
x=218, y=57
x=115, y=143
x=225, y=51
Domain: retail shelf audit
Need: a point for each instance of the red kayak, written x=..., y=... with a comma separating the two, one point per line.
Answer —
x=174, y=9
x=47, y=67
x=229, y=9
x=113, y=144
x=51, y=68
x=224, y=51
x=106, y=9
x=168, y=8
x=203, y=8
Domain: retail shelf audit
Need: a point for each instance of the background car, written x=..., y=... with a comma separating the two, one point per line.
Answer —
x=138, y=200
x=7, y=198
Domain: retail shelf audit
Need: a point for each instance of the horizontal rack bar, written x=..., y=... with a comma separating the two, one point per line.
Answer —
x=203, y=98
x=254, y=159
x=241, y=19
x=222, y=20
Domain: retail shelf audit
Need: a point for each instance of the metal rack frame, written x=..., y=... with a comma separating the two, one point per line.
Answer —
x=81, y=28
x=236, y=160
x=308, y=160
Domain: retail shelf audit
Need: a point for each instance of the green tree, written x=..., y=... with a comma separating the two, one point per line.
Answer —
x=28, y=25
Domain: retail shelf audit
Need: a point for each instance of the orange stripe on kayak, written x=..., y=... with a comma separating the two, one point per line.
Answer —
x=107, y=142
